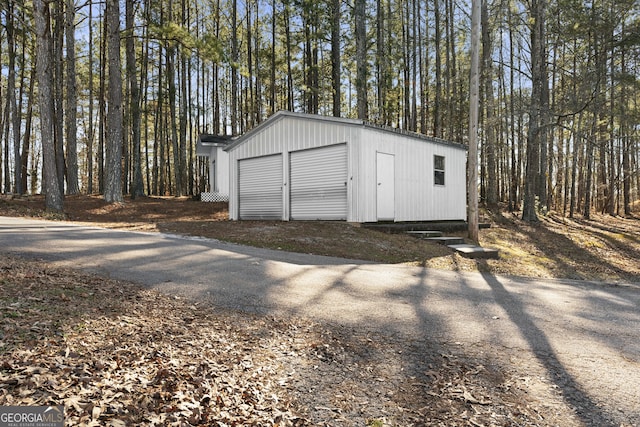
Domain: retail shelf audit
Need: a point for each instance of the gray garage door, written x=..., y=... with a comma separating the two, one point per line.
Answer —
x=261, y=187
x=319, y=183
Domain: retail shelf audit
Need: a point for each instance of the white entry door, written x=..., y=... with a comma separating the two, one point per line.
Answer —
x=385, y=177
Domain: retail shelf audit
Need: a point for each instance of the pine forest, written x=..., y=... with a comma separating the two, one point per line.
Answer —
x=109, y=97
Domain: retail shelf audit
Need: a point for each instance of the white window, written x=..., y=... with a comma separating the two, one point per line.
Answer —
x=438, y=170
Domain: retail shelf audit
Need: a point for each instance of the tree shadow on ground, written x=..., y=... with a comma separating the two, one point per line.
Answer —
x=573, y=393
x=569, y=259
x=626, y=240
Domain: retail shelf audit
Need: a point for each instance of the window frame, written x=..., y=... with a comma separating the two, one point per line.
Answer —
x=439, y=172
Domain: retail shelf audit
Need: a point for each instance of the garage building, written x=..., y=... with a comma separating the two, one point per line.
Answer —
x=299, y=166
x=211, y=147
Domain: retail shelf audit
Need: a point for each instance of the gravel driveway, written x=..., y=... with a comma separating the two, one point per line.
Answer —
x=576, y=344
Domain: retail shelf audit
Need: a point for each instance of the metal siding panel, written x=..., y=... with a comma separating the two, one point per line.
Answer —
x=222, y=171
x=318, y=183
x=353, y=190
x=233, y=188
x=417, y=198
x=260, y=187
x=414, y=200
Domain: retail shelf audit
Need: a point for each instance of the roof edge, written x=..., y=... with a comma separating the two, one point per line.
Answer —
x=415, y=135
x=281, y=114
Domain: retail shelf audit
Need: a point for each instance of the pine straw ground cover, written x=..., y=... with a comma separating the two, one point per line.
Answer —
x=115, y=354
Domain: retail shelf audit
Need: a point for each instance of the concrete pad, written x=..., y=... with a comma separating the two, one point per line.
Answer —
x=471, y=251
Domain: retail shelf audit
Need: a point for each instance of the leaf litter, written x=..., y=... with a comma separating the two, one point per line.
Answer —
x=116, y=354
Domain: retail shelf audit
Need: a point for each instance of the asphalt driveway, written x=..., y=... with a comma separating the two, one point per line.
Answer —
x=583, y=337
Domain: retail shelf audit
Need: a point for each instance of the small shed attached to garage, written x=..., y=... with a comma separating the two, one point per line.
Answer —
x=212, y=148
x=306, y=167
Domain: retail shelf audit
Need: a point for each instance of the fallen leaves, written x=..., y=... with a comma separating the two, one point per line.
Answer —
x=116, y=354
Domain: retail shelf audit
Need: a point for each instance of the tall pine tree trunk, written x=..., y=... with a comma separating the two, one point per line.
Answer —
x=171, y=80
x=414, y=67
x=437, y=105
x=361, y=58
x=53, y=193
x=185, y=170
x=474, y=92
x=26, y=140
x=91, y=126
x=251, y=97
x=137, y=188
x=626, y=143
x=536, y=128
x=611, y=205
x=2, y=118
x=423, y=61
x=406, y=67
x=287, y=26
x=234, y=68
x=12, y=104
x=380, y=61
x=490, y=140
x=113, y=179
x=58, y=89
x=102, y=106
x=71, y=101
x=336, y=84
x=258, y=107
x=272, y=89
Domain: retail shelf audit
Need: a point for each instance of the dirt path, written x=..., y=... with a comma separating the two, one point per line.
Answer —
x=571, y=347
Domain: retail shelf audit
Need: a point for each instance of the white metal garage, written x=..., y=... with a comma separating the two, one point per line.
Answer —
x=305, y=167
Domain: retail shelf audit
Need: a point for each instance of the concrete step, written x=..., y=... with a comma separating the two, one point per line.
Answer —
x=475, y=252
x=444, y=240
x=401, y=227
x=424, y=234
